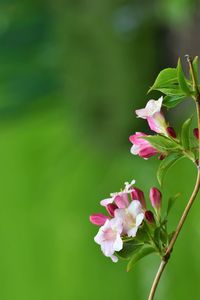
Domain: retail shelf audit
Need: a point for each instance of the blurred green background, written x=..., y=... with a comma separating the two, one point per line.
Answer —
x=71, y=75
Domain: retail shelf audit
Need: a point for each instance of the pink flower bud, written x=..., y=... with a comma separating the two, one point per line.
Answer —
x=149, y=216
x=171, y=132
x=98, y=219
x=162, y=156
x=155, y=197
x=111, y=208
x=196, y=133
x=137, y=194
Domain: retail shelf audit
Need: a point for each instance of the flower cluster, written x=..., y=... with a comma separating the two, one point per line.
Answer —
x=127, y=211
x=129, y=229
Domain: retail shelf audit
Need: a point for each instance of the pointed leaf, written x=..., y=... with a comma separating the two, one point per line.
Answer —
x=165, y=164
x=185, y=134
x=171, y=202
x=165, y=78
x=195, y=65
x=139, y=255
x=172, y=101
x=162, y=143
x=129, y=248
x=170, y=90
x=182, y=80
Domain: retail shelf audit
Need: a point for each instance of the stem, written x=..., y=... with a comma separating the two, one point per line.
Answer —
x=166, y=257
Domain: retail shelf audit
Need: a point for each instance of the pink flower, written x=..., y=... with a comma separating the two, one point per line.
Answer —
x=131, y=217
x=120, y=198
x=152, y=113
x=98, y=219
x=140, y=146
x=109, y=238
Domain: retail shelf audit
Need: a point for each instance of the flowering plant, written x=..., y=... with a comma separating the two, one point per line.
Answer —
x=130, y=230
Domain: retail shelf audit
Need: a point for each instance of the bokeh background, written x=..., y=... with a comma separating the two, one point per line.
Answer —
x=71, y=75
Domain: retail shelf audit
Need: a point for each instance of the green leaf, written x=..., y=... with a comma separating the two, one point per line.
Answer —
x=162, y=143
x=195, y=65
x=157, y=236
x=165, y=79
x=171, y=91
x=129, y=248
x=139, y=255
x=182, y=80
x=185, y=134
x=166, y=164
x=172, y=101
x=171, y=202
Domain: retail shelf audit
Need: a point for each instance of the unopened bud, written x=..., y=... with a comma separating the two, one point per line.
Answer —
x=162, y=156
x=149, y=216
x=137, y=194
x=196, y=133
x=171, y=132
x=155, y=197
x=111, y=208
x=98, y=219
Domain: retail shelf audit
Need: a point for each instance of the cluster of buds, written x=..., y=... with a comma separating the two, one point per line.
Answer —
x=157, y=123
x=127, y=211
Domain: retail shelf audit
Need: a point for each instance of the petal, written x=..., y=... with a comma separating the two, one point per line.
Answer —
x=98, y=219
x=114, y=258
x=154, y=106
x=119, y=213
x=107, y=201
x=99, y=238
x=135, y=149
x=116, y=224
x=118, y=244
x=147, y=152
x=132, y=232
x=139, y=219
x=107, y=248
x=141, y=113
x=121, y=201
x=135, y=208
x=151, y=108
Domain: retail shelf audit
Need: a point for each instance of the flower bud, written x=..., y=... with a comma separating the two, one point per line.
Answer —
x=137, y=194
x=196, y=133
x=149, y=217
x=111, y=208
x=98, y=219
x=171, y=132
x=161, y=156
x=155, y=197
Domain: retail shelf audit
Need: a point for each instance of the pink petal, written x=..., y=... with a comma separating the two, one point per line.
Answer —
x=98, y=219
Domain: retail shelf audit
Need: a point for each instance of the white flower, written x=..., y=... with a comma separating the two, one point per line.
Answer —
x=152, y=107
x=131, y=217
x=109, y=238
